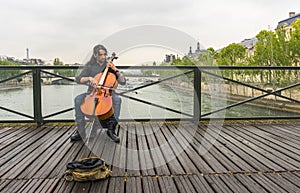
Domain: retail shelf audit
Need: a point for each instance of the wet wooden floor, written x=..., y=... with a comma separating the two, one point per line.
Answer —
x=156, y=157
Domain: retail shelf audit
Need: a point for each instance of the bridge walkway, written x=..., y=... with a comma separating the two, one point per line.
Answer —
x=233, y=157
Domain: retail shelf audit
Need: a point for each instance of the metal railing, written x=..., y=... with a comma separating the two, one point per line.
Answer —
x=198, y=75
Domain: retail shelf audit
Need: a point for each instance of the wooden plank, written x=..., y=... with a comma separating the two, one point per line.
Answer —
x=217, y=184
x=49, y=186
x=167, y=184
x=4, y=183
x=282, y=135
x=119, y=185
x=282, y=182
x=64, y=186
x=200, y=184
x=5, y=130
x=145, y=184
x=268, y=150
x=242, y=158
x=167, y=150
x=59, y=160
x=250, y=184
x=133, y=163
x=156, y=151
x=277, y=142
x=14, y=186
x=183, y=184
x=209, y=157
x=147, y=165
x=47, y=159
x=22, y=159
x=291, y=177
x=111, y=185
x=34, y=160
x=119, y=161
x=20, y=145
x=139, y=187
x=97, y=146
x=130, y=185
x=233, y=183
x=99, y=186
x=182, y=141
x=81, y=187
x=13, y=136
x=150, y=185
x=222, y=153
x=266, y=183
x=109, y=148
x=30, y=185
x=229, y=160
x=192, y=150
x=250, y=153
x=275, y=145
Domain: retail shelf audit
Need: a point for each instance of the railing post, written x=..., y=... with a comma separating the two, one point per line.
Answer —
x=37, y=99
x=197, y=93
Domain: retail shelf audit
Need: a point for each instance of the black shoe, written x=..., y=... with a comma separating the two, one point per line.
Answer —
x=76, y=136
x=113, y=136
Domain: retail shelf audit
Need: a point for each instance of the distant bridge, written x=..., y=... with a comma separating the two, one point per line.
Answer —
x=142, y=78
x=56, y=80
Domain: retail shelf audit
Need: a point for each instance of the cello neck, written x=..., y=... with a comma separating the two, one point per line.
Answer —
x=102, y=79
x=101, y=82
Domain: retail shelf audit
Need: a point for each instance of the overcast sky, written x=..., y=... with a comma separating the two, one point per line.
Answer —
x=68, y=29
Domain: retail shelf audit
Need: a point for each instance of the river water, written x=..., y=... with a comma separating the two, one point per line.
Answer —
x=60, y=97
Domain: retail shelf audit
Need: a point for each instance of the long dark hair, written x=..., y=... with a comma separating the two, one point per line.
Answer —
x=96, y=52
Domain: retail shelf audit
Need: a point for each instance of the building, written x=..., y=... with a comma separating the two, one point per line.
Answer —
x=194, y=55
x=249, y=45
x=286, y=23
x=169, y=58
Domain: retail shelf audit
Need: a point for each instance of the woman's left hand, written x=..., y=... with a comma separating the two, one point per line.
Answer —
x=112, y=66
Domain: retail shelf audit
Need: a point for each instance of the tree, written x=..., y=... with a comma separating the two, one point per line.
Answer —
x=9, y=73
x=208, y=57
x=57, y=62
x=263, y=55
x=232, y=55
x=294, y=42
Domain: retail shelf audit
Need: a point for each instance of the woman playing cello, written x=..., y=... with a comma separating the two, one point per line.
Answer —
x=90, y=74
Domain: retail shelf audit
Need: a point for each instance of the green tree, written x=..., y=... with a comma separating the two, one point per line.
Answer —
x=63, y=72
x=57, y=62
x=294, y=42
x=232, y=55
x=263, y=55
x=208, y=57
x=9, y=73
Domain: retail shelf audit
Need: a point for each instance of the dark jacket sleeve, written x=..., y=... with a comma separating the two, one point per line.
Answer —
x=115, y=73
x=121, y=82
x=84, y=73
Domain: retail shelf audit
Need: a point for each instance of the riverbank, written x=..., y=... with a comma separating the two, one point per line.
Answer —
x=13, y=87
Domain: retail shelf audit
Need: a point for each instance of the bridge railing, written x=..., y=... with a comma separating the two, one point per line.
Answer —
x=198, y=92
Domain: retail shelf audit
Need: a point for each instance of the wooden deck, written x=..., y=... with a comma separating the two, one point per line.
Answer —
x=252, y=157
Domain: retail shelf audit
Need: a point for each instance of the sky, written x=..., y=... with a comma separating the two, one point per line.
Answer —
x=69, y=29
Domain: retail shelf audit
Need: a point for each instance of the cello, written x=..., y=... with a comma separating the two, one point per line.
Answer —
x=99, y=101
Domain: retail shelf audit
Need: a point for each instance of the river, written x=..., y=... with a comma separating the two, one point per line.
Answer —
x=59, y=97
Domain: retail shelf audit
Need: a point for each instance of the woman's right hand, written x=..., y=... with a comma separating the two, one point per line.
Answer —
x=93, y=82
